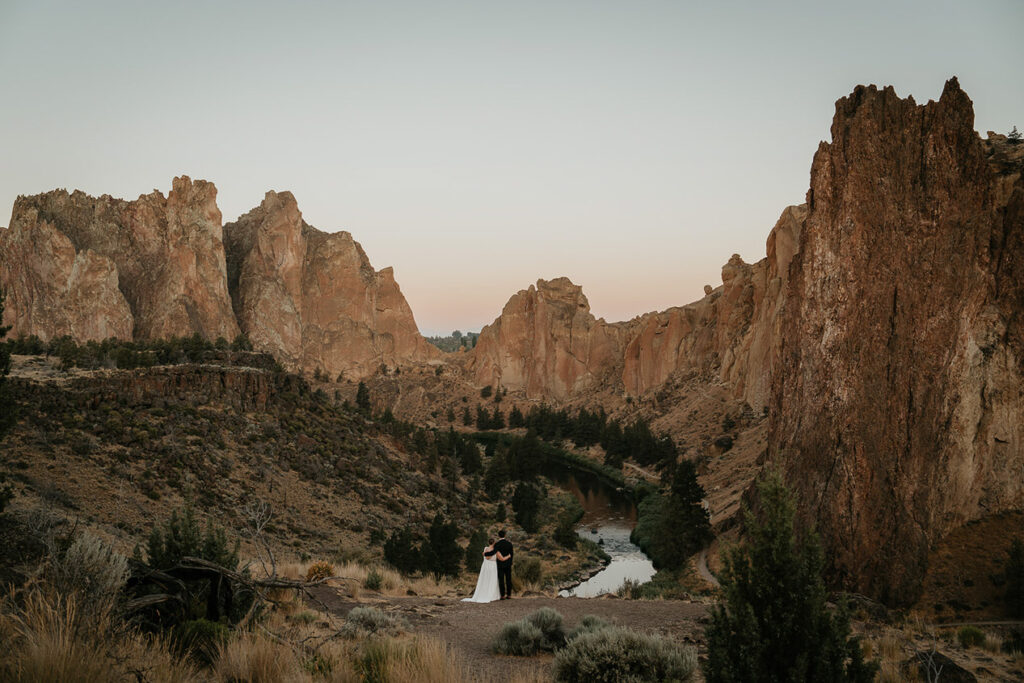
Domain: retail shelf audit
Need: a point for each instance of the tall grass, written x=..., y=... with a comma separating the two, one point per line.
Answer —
x=251, y=657
x=47, y=638
x=391, y=583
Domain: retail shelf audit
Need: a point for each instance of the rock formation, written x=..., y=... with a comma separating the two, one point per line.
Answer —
x=546, y=343
x=898, y=407
x=731, y=334
x=165, y=253
x=53, y=291
x=312, y=298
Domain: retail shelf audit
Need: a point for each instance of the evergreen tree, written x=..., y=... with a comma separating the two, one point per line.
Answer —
x=773, y=624
x=467, y=417
x=526, y=504
x=468, y=454
x=526, y=457
x=400, y=551
x=515, y=418
x=477, y=543
x=497, y=475
x=1015, y=579
x=363, y=398
x=450, y=415
x=497, y=419
x=483, y=418
x=180, y=537
x=682, y=525
x=447, y=555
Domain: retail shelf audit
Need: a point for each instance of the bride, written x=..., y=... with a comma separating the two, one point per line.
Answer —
x=487, y=583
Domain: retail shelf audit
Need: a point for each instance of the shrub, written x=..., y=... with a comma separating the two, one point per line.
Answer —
x=518, y=638
x=551, y=627
x=588, y=624
x=774, y=602
x=368, y=621
x=91, y=570
x=318, y=571
x=970, y=636
x=618, y=654
x=373, y=580
x=528, y=569
x=538, y=631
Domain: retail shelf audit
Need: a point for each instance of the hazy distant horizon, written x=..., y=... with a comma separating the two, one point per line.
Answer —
x=476, y=147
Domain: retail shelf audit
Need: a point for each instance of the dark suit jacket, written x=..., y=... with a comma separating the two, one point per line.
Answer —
x=491, y=553
x=504, y=546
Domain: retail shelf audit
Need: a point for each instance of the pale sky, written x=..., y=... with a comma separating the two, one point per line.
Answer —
x=477, y=146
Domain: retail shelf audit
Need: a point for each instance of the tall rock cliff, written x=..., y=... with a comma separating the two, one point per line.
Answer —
x=165, y=254
x=312, y=298
x=731, y=334
x=53, y=291
x=898, y=406
x=546, y=343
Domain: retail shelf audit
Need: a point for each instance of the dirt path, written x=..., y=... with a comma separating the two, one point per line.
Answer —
x=471, y=627
x=702, y=568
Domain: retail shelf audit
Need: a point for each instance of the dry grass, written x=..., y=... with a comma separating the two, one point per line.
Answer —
x=353, y=575
x=47, y=639
x=425, y=660
x=254, y=657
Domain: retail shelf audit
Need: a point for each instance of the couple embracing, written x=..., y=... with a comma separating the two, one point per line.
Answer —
x=495, y=581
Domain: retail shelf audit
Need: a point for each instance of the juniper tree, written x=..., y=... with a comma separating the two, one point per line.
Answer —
x=363, y=398
x=773, y=623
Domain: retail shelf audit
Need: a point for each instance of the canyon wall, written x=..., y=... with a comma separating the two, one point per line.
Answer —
x=313, y=299
x=898, y=406
x=165, y=252
x=546, y=343
x=153, y=268
x=883, y=331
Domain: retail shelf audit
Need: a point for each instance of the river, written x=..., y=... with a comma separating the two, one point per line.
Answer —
x=608, y=518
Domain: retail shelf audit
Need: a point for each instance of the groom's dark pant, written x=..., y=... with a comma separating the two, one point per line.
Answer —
x=505, y=579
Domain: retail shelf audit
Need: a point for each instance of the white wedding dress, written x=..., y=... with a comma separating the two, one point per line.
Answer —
x=487, y=583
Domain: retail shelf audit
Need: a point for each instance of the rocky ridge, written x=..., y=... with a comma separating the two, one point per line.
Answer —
x=164, y=252
x=312, y=298
x=154, y=268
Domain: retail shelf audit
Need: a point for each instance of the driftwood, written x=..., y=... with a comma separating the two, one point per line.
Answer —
x=172, y=590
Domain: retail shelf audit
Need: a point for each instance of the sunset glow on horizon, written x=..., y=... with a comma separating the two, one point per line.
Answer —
x=476, y=147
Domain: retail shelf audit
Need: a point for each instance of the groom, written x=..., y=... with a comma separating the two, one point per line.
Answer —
x=503, y=549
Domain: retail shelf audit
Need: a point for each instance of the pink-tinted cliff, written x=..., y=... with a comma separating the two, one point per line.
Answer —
x=898, y=405
x=313, y=299
x=165, y=252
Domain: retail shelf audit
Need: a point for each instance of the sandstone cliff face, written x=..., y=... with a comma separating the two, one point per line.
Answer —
x=546, y=343
x=731, y=334
x=52, y=290
x=166, y=254
x=312, y=298
x=898, y=406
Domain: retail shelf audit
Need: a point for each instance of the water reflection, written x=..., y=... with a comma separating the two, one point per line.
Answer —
x=608, y=518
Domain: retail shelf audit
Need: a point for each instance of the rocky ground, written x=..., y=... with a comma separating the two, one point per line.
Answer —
x=470, y=628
